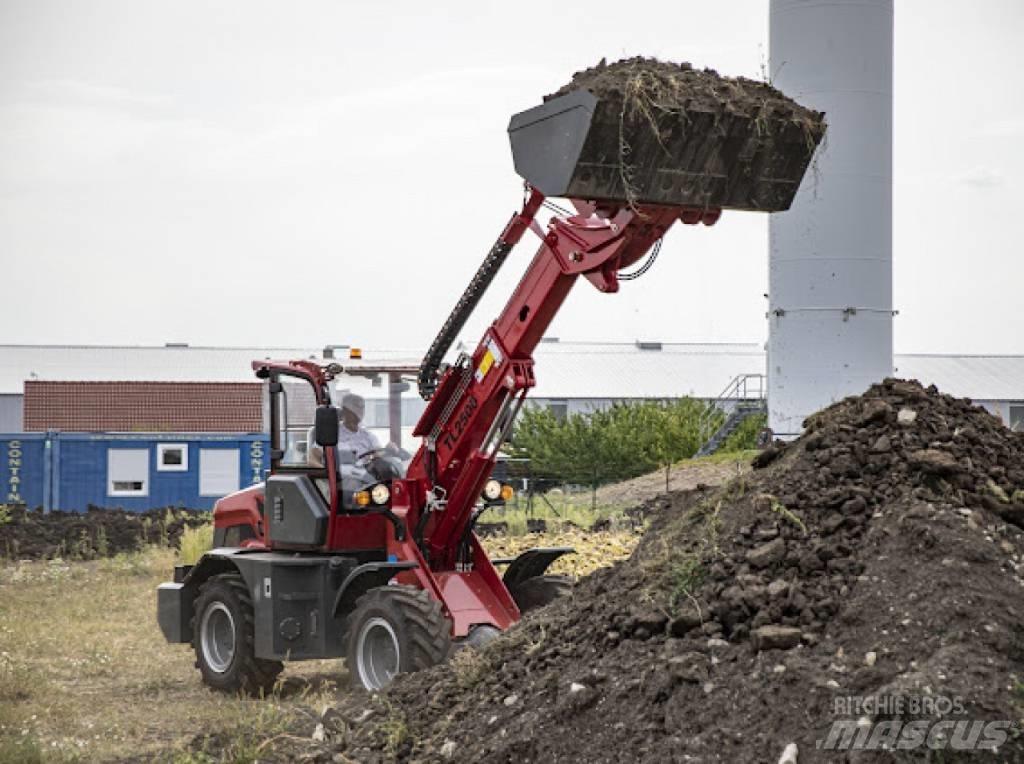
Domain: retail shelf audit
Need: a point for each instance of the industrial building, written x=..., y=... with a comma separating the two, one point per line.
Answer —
x=571, y=376
x=140, y=427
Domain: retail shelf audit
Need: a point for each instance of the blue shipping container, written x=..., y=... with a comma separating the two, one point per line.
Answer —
x=136, y=471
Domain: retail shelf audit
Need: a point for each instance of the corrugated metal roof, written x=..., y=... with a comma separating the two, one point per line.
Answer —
x=981, y=377
x=564, y=369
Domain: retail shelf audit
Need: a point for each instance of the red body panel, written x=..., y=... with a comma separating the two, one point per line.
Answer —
x=463, y=423
x=242, y=508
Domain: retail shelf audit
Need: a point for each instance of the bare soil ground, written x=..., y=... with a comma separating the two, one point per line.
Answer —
x=28, y=534
x=684, y=476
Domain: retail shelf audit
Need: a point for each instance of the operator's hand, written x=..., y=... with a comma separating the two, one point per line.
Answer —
x=373, y=453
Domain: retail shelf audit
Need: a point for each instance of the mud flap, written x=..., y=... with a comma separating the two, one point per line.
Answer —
x=531, y=563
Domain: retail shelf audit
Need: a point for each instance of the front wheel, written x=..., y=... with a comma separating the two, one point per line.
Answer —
x=222, y=636
x=394, y=630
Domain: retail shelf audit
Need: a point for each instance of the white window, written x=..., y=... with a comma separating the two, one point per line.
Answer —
x=128, y=472
x=172, y=457
x=1017, y=418
x=218, y=471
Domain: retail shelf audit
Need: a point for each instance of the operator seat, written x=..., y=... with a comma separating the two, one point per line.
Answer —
x=314, y=451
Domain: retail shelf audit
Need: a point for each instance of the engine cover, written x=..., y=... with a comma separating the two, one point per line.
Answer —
x=296, y=513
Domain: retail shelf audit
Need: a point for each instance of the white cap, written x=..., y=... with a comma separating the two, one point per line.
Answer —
x=355, y=404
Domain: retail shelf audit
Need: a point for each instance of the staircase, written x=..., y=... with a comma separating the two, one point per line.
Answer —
x=742, y=398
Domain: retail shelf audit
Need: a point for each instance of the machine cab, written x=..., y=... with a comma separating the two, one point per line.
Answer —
x=316, y=472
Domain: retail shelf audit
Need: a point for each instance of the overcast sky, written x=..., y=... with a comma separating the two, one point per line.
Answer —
x=270, y=173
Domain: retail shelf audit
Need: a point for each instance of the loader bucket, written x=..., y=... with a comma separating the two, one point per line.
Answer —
x=583, y=146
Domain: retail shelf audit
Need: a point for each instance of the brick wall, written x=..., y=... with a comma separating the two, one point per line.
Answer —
x=143, y=406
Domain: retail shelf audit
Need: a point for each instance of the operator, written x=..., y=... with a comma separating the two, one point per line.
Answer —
x=352, y=437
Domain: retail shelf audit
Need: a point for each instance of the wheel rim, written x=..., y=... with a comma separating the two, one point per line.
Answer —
x=217, y=635
x=377, y=654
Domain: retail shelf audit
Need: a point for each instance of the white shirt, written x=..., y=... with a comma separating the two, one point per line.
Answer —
x=358, y=442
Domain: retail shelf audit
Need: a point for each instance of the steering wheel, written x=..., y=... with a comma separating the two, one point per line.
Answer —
x=368, y=456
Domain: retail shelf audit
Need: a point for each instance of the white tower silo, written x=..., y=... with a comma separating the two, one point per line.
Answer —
x=830, y=255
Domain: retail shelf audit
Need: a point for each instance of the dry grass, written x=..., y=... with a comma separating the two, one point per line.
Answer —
x=593, y=550
x=85, y=674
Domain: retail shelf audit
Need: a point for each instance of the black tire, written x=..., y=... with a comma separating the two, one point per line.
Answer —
x=226, y=658
x=395, y=630
x=539, y=591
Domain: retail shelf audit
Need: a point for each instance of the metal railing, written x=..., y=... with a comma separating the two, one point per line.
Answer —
x=742, y=387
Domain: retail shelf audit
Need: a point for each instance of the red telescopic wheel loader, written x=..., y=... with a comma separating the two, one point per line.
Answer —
x=330, y=558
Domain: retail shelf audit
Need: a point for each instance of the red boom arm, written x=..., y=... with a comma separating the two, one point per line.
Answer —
x=472, y=410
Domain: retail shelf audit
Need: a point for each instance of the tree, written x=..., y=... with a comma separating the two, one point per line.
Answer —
x=617, y=443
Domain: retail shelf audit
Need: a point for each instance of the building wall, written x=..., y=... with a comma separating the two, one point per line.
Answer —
x=143, y=406
x=1010, y=412
x=11, y=416
x=71, y=471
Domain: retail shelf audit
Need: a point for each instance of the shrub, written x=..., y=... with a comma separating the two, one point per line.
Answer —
x=605, y=446
x=195, y=542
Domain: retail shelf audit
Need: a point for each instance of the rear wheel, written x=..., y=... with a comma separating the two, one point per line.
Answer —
x=539, y=591
x=222, y=636
x=394, y=630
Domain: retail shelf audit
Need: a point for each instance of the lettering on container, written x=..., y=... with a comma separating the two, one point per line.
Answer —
x=256, y=460
x=14, y=455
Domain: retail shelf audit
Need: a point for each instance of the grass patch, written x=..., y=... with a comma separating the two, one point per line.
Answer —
x=24, y=750
x=86, y=674
x=469, y=666
x=195, y=542
x=724, y=457
x=393, y=728
x=248, y=730
x=685, y=575
x=560, y=510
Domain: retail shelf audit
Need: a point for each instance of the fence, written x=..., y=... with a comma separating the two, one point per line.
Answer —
x=613, y=490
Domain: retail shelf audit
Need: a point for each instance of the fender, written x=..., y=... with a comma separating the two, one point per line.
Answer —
x=367, y=576
x=174, y=609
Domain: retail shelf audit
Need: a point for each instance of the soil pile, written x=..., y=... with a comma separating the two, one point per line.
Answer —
x=671, y=134
x=684, y=88
x=868, y=572
x=35, y=535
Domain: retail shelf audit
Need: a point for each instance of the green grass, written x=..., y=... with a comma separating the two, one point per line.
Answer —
x=195, y=542
x=685, y=575
x=721, y=457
